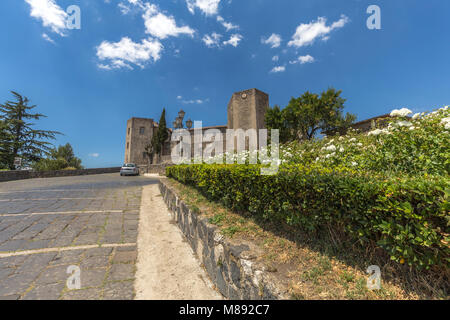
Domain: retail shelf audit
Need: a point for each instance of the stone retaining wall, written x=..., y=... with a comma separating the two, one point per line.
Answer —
x=233, y=267
x=155, y=168
x=19, y=175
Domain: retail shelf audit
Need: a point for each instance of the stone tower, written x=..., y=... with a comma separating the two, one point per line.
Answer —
x=139, y=134
x=247, y=109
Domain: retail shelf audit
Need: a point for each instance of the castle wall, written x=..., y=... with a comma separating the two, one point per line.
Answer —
x=246, y=110
x=139, y=134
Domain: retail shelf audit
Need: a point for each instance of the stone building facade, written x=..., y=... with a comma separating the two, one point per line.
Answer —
x=246, y=110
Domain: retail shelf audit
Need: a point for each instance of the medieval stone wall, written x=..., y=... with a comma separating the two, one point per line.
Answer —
x=139, y=134
x=246, y=110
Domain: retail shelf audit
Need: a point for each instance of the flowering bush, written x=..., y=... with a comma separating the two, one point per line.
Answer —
x=412, y=146
x=388, y=188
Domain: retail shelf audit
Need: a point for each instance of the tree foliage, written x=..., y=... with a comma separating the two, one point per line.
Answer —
x=4, y=145
x=59, y=158
x=161, y=135
x=306, y=116
x=19, y=138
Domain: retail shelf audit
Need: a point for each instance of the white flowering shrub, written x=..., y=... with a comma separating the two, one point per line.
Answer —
x=388, y=188
x=407, y=146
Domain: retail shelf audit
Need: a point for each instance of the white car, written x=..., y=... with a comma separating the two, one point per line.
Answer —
x=129, y=169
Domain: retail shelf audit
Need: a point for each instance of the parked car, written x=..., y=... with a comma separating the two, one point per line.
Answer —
x=129, y=169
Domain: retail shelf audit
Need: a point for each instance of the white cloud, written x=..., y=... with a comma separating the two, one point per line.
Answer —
x=275, y=58
x=228, y=25
x=47, y=38
x=52, y=15
x=306, y=34
x=194, y=101
x=121, y=54
x=212, y=40
x=278, y=69
x=156, y=23
x=94, y=155
x=161, y=26
x=208, y=7
x=303, y=60
x=127, y=7
x=274, y=40
x=234, y=40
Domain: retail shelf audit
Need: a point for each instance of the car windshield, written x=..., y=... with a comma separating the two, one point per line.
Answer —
x=129, y=165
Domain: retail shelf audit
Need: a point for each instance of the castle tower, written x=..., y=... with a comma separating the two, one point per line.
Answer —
x=247, y=109
x=139, y=134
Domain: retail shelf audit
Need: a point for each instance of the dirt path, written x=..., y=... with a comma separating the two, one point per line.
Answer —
x=166, y=266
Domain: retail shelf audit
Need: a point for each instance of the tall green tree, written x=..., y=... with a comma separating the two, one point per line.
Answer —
x=161, y=134
x=23, y=140
x=306, y=116
x=275, y=120
x=5, y=139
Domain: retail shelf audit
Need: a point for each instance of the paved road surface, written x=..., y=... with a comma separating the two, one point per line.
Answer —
x=48, y=225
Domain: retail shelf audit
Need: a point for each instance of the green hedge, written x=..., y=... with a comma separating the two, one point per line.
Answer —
x=408, y=217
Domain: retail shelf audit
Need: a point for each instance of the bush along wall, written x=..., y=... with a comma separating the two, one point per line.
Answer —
x=406, y=216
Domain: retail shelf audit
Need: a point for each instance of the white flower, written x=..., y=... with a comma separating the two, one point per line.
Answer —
x=331, y=148
x=330, y=155
x=341, y=149
x=354, y=163
x=412, y=128
x=377, y=132
x=404, y=124
x=446, y=123
x=403, y=112
x=416, y=116
x=352, y=140
x=317, y=159
x=359, y=144
x=445, y=120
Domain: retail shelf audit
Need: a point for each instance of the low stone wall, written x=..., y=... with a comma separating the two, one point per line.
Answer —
x=19, y=175
x=155, y=168
x=233, y=267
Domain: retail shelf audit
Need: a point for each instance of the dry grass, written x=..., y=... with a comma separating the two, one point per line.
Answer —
x=320, y=266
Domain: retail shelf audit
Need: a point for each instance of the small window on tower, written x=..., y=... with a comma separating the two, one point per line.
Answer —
x=129, y=131
x=144, y=155
x=128, y=145
x=142, y=130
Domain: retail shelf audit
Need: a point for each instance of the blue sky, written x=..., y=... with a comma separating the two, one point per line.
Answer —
x=134, y=57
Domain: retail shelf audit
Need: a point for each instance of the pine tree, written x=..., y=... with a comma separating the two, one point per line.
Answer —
x=161, y=134
x=5, y=153
x=22, y=140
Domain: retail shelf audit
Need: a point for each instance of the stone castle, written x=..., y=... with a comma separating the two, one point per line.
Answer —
x=246, y=110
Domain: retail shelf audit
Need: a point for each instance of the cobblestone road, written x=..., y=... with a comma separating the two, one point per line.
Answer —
x=48, y=225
